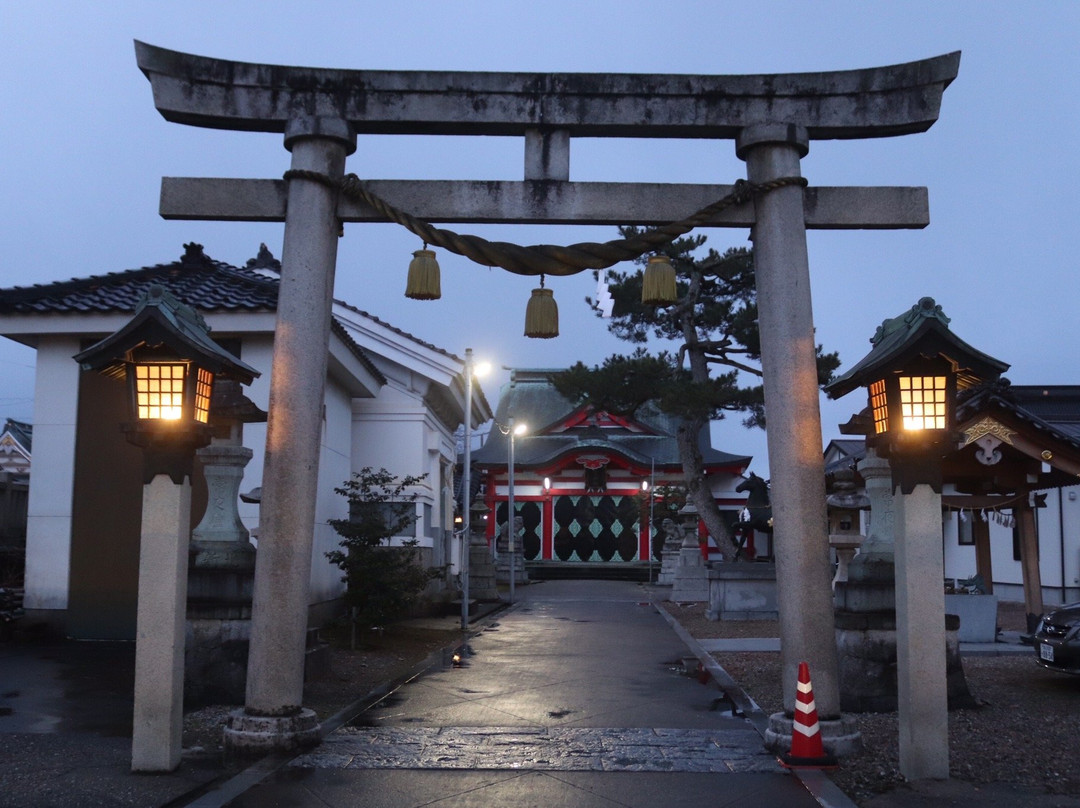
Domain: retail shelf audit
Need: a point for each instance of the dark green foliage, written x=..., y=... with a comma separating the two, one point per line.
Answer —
x=383, y=582
x=712, y=368
x=714, y=323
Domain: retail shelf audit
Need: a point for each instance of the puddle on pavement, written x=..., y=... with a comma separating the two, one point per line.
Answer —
x=371, y=716
x=69, y=687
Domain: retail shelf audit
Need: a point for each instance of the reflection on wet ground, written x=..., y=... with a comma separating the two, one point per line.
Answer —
x=67, y=686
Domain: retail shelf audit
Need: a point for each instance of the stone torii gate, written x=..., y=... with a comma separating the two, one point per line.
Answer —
x=772, y=119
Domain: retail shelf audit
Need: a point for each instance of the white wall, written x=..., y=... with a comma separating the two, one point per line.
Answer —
x=48, y=524
x=391, y=431
x=335, y=467
x=1059, y=550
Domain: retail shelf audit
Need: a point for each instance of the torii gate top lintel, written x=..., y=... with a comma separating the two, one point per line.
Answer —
x=871, y=102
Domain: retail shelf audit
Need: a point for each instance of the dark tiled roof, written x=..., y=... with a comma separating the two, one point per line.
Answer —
x=1056, y=404
x=477, y=390
x=22, y=432
x=1053, y=412
x=857, y=452
x=531, y=399
x=196, y=279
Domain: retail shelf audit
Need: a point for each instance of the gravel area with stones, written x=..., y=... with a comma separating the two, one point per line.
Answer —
x=1025, y=731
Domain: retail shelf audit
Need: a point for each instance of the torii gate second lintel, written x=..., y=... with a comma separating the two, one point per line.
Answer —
x=321, y=112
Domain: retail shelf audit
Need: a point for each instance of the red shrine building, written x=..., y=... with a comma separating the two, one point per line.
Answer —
x=588, y=485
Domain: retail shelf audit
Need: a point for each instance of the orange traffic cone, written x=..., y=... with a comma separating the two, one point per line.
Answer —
x=807, y=749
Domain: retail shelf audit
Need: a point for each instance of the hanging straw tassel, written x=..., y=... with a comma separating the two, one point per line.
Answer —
x=423, y=283
x=658, y=282
x=542, y=314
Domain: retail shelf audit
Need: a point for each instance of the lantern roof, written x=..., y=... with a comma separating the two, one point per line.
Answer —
x=161, y=320
x=923, y=331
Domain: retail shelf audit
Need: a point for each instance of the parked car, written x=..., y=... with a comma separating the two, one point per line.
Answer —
x=1057, y=641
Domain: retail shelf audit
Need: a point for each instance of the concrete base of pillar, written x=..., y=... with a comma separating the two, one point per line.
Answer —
x=256, y=734
x=840, y=736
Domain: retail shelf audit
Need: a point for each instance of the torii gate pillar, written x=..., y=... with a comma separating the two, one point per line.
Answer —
x=796, y=463
x=279, y=613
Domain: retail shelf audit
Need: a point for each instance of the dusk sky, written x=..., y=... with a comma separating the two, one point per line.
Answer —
x=83, y=152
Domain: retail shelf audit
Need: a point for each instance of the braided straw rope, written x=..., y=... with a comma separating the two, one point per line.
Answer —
x=543, y=259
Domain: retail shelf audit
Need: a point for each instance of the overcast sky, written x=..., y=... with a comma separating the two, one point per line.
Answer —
x=83, y=151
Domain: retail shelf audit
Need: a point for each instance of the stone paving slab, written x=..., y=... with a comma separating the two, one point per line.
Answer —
x=542, y=749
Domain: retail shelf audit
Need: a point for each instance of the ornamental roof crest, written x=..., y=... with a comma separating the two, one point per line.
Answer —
x=926, y=309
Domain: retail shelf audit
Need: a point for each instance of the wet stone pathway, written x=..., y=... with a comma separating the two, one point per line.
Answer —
x=542, y=749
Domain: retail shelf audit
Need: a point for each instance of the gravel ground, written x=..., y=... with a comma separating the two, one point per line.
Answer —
x=1024, y=732
x=352, y=674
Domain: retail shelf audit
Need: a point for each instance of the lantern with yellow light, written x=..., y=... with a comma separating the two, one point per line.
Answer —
x=170, y=362
x=912, y=375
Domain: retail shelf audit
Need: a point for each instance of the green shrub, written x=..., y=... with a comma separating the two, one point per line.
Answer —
x=383, y=582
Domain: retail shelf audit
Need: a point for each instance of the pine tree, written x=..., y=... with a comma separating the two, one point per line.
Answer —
x=714, y=329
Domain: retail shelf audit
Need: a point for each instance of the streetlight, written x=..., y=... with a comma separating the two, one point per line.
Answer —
x=170, y=363
x=911, y=375
x=511, y=528
x=471, y=370
x=647, y=488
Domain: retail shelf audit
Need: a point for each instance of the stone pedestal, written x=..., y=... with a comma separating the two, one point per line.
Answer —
x=218, y=635
x=845, y=546
x=866, y=646
x=742, y=592
x=977, y=614
x=220, y=585
x=257, y=735
x=669, y=560
x=482, y=575
x=691, y=582
x=839, y=736
x=502, y=569
x=866, y=612
x=503, y=555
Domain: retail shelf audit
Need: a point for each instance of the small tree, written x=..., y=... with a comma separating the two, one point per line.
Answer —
x=383, y=582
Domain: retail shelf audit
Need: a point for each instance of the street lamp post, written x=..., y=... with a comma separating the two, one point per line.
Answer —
x=511, y=527
x=471, y=370
x=170, y=363
x=911, y=375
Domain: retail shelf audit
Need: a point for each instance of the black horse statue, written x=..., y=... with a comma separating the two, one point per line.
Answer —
x=758, y=510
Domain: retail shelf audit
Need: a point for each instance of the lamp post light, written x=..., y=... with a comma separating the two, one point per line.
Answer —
x=471, y=370
x=647, y=489
x=170, y=363
x=911, y=375
x=514, y=430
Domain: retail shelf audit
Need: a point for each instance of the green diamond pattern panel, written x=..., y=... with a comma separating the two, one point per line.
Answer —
x=595, y=528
